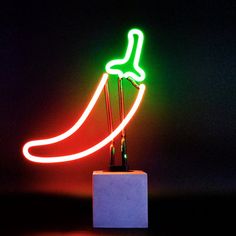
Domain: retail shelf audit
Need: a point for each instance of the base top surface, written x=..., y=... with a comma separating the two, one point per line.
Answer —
x=131, y=172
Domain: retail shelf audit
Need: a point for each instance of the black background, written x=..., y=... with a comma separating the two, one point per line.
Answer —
x=47, y=50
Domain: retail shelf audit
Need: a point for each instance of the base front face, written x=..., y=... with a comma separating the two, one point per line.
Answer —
x=120, y=199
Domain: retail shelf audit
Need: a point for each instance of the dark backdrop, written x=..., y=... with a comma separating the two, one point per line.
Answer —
x=51, y=58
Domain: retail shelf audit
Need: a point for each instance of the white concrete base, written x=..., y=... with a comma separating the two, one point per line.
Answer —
x=120, y=199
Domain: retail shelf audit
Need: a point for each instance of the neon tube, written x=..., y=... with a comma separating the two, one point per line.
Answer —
x=136, y=72
x=77, y=125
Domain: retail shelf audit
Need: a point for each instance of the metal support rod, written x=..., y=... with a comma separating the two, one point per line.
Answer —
x=123, y=133
x=110, y=123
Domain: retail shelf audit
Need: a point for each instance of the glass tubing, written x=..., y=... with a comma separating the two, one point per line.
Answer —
x=124, y=156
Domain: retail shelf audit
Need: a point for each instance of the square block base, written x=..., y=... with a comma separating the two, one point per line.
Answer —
x=120, y=199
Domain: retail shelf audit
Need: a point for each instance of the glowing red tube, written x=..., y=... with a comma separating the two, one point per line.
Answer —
x=77, y=125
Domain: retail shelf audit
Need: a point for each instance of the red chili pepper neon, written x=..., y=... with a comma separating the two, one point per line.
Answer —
x=77, y=125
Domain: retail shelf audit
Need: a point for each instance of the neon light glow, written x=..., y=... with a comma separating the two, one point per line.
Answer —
x=77, y=125
x=132, y=57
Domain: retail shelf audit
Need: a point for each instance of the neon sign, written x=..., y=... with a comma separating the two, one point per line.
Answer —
x=137, y=74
